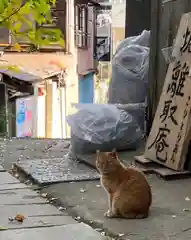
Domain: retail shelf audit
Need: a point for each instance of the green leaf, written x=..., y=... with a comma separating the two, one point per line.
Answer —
x=3, y=228
x=17, y=47
x=13, y=68
x=2, y=7
x=17, y=26
x=20, y=17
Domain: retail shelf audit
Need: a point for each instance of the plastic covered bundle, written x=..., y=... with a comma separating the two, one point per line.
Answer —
x=103, y=127
x=130, y=67
x=143, y=40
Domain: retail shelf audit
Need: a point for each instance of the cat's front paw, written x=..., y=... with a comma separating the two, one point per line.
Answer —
x=108, y=214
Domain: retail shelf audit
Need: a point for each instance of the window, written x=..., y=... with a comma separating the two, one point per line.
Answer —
x=81, y=26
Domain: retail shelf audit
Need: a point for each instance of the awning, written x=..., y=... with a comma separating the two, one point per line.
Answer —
x=33, y=67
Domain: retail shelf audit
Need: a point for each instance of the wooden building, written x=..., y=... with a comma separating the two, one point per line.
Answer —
x=162, y=17
x=45, y=65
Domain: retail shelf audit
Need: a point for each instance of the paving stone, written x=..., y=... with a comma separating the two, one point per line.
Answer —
x=12, y=186
x=33, y=210
x=6, y=178
x=70, y=232
x=20, y=196
x=39, y=221
x=57, y=170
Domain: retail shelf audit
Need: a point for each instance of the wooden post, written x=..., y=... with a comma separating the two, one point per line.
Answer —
x=49, y=109
x=153, y=63
x=4, y=118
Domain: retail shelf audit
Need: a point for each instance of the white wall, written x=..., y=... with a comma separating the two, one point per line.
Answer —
x=118, y=14
x=40, y=131
x=118, y=23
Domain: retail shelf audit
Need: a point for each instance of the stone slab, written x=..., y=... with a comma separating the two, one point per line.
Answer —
x=33, y=210
x=54, y=170
x=20, y=196
x=169, y=216
x=6, y=178
x=20, y=149
x=8, y=186
x=34, y=143
x=70, y=232
x=34, y=148
x=34, y=222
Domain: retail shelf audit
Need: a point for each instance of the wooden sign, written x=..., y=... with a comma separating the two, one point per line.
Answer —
x=169, y=132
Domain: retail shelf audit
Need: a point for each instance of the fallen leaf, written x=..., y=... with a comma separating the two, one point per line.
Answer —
x=53, y=199
x=187, y=199
x=19, y=218
x=44, y=195
x=17, y=47
x=42, y=222
x=98, y=229
x=77, y=218
x=186, y=210
x=27, y=182
x=82, y=190
x=173, y=216
x=3, y=228
x=62, y=208
x=121, y=234
x=16, y=175
x=98, y=186
x=11, y=219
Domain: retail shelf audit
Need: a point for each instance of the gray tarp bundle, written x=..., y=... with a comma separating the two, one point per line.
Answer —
x=130, y=66
x=103, y=127
x=120, y=123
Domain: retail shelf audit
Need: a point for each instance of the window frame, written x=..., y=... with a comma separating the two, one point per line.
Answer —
x=81, y=26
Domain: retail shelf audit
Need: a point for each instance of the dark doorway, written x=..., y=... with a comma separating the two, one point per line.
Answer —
x=137, y=17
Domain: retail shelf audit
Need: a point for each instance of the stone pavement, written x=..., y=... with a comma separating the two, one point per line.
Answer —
x=170, y=217
x=42, y=221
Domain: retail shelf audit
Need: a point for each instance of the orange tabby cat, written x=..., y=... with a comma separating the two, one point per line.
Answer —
x=128, y=190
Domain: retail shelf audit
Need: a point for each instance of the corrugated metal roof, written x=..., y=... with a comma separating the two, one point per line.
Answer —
x=34, y=66
x=20, y=75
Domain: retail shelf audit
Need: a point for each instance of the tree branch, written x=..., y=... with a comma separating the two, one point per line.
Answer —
x=13, y=13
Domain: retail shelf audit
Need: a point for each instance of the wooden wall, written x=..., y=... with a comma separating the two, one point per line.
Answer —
x=165, y=19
